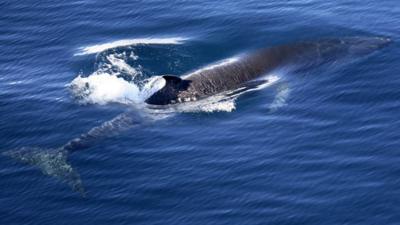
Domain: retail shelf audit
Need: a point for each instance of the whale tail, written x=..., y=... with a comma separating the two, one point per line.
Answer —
x=52, y=162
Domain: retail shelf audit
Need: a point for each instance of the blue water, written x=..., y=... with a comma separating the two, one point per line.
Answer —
x=320, y=146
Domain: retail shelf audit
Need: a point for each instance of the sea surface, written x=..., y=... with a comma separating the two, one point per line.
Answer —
x=315, y=146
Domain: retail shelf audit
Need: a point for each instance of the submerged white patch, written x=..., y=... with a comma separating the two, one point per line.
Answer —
x=271, y=79
x=127, y=42
x=281, y=96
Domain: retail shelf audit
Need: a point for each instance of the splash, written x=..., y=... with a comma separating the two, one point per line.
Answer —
x=129, y=42
x=122, y=66
x=103, y=88
x=115, y=81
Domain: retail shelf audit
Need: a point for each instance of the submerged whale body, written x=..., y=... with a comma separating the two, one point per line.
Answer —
x=229, y=76
x=233, y=75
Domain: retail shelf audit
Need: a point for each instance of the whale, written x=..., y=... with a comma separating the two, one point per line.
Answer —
x=243, y=71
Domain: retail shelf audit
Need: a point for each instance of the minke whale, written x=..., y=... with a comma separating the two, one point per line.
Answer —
x=243, y=72
x=239, y=74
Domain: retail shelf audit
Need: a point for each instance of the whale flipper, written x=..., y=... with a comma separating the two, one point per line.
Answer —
x=52, y=162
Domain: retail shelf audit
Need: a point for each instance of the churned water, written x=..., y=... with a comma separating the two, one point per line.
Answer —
x=314, y=146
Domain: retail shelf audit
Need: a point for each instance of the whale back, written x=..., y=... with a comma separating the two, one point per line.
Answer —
x=231, y=75
x=293, y=56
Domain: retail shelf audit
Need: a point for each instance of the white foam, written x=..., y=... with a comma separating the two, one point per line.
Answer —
x=104, y=88
x=127, y=42
x=222, y=106
x=122, y=65
x=218, y=103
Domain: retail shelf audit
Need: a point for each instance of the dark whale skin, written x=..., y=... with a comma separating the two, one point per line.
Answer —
x=230, y=76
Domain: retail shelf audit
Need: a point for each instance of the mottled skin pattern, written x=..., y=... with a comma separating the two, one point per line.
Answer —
x=232, y=75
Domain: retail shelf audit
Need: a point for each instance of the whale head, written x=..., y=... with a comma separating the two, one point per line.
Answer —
x=169, y=92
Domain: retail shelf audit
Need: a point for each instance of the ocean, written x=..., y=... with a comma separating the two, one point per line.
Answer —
x=314, y=146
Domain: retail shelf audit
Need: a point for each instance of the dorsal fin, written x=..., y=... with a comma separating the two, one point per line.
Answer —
x=175, y=82
x=170, y=91
x=172, y=79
